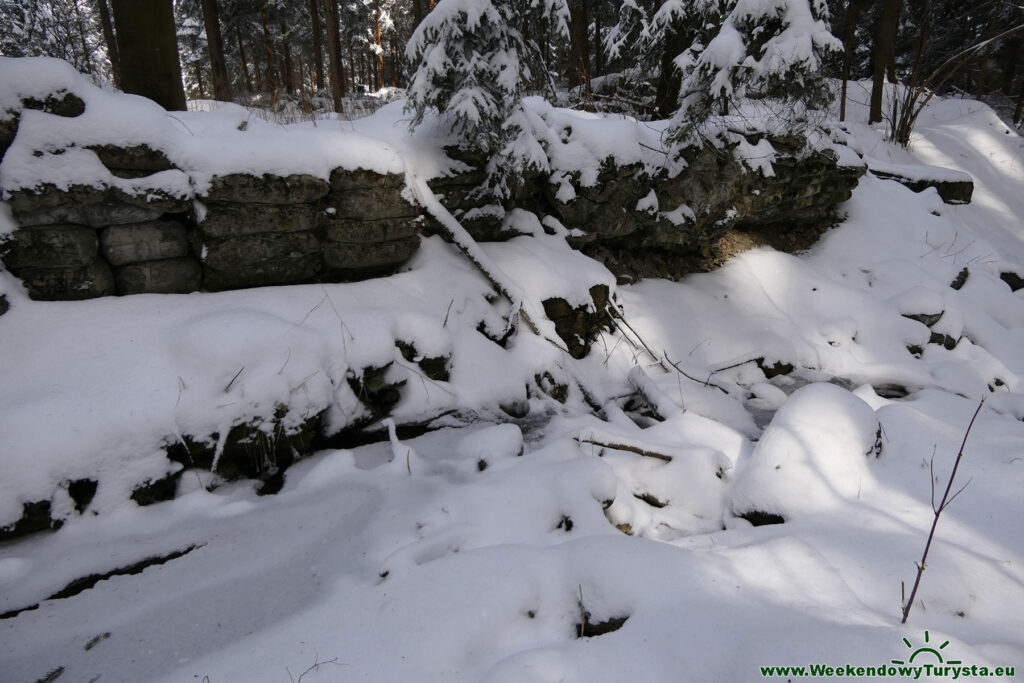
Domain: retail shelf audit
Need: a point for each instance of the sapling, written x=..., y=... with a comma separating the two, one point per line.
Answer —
x=946, y=501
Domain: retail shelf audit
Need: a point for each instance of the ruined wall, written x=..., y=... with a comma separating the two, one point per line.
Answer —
x=246, y=231
x=148, y=226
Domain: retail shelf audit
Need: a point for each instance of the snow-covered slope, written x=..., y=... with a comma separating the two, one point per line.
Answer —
x=471, y=553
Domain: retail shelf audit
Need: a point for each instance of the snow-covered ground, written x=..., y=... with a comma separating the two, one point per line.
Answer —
x=472, y=552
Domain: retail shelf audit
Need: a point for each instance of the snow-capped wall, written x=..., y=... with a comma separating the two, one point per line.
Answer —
x=113, y=195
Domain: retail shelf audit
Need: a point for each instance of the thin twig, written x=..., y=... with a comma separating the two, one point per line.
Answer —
x=628, y=449
x=314, y=667
x=228, y=387
x=946, y=500
x=707, y=382
x=583, y=614
x=425, y=379
x=445, y=323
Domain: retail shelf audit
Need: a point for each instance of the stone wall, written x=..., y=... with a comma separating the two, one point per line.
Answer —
x=247, y=231
x=148, y=229
x=689, y=222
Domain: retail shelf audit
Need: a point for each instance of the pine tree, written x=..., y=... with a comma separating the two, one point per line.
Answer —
x=66, y=29
x=759, y=49
x=218, y=68
x=149, y=51
x=623, y=40
x=474, y=64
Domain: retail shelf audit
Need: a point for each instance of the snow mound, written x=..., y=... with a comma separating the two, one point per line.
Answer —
x=813, y=456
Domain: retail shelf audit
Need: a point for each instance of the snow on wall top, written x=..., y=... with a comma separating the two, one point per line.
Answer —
x=202, y=144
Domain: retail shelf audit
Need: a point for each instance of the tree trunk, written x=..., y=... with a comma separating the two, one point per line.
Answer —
x=669, y=80
x=1019, y=111
x=579, y=45
x=598, y=48
x=1010, y=70
x=148, y=50
x=883, y=54
x=318, y=48
x=378, y=67
x=394, y=62
x=334, y=52
x=417, y=13
x=271, y=82
x=197, y=69
x=853, y=9
x=86, y=52
x=991, y=29
x=110, y=40
x=245, y=62
x=289, y=81
x=215, y=45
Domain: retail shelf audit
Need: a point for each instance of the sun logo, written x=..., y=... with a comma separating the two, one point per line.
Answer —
x=925, y=649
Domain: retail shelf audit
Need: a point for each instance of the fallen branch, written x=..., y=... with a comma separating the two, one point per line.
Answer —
x=663, y=361
x=627, y=448
x=465, y=243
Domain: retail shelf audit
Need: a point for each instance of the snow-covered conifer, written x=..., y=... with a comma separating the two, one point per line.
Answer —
x=474, y=62
x=760, y=49
x=624, y=39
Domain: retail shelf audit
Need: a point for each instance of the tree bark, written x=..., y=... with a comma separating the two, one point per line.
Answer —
x=884, y=54
x=245, y=62
x=108, y=37
x=417, y=13
x=394, y=61
x=334, y=52
x=853, y=10
x=579, y=45
x=1019, y=111
x=271, y=83
x=378, y=74
x=286, y=66
x=318, y=48
x=148, y=50
x=1010, y=70
x=86, y=52
x=215, y=45
x=669, y=80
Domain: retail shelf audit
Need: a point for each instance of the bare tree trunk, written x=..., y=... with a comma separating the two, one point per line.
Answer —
x=849, y=45
x=378, y=74
x=334, y=52
x=991, y=29
x=1019, y=111
x=353, y=65
x=289, y=81
x=110, y=40
x=417, y=13
x=883, y=54
x=669, y=80
x=215, y=45
x=545, y=44
x=197, y=68
x=579, y=45
x=1010, y=70
x=318, y=48
x=148, y=49
x=86, y=52
x=598, y=48
x=268, y=42
x=245, y=62
x=394, y=62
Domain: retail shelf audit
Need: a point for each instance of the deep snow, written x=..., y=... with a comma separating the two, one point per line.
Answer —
x=465, y=554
